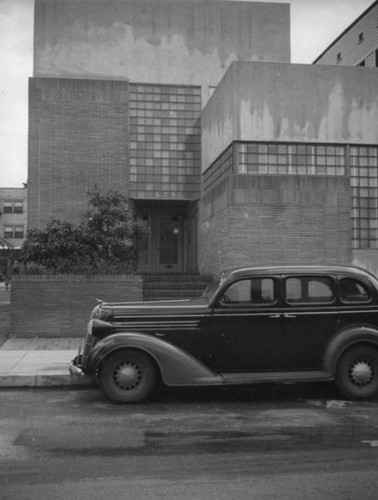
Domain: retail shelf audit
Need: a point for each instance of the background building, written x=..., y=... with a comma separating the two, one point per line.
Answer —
x=194, y=112
x=357, y=45
x=13, y=218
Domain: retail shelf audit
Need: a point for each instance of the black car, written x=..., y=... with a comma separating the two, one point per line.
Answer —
x=250, y=326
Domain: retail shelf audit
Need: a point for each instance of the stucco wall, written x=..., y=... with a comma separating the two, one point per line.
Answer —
x=290, y=102
x=156, y=41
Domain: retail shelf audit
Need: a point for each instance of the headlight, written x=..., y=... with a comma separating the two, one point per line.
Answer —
x=96, y=313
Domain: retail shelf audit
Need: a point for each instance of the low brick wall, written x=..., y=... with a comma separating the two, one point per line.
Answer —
x=59, y=306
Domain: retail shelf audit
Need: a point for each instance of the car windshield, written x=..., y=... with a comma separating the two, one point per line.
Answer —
x=212, y=287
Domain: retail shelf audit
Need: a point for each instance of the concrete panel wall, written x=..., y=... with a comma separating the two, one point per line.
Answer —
x=294, y=103
x=156, y=41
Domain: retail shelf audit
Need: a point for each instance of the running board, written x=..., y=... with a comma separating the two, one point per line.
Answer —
x=275, y=377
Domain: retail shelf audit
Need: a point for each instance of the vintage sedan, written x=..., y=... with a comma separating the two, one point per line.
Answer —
x=250, y=326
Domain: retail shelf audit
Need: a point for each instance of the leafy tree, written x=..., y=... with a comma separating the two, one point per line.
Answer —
x=104, y=241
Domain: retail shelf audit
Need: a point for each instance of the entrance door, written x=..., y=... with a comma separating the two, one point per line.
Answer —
x=169, y=240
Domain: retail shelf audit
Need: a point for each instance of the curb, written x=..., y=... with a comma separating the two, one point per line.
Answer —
x=42, y=380
x=25, y=368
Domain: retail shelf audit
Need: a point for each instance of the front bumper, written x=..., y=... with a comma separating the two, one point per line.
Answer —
x=75, y=366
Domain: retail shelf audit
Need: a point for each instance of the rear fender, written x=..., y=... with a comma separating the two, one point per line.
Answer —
x=177, y=367
x=345, y=339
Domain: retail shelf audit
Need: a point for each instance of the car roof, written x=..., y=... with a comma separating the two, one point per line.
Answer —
x=299, y=269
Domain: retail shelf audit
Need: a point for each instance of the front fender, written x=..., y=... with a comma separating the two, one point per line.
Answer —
x=177, y=367
x=345, y=339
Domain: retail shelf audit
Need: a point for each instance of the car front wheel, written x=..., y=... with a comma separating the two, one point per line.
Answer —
x=357, y=373
x=127, y=376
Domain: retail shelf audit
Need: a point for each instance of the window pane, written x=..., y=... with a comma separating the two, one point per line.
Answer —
x=249, y=292
x=320, y=289
x=19, y=232
x=353, y=291
x=311, y=289
x=293, y=289
x=8, y=207
x=18, y=207
x=8, y=231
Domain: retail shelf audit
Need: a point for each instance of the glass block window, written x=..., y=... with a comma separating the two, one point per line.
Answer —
x=364, y=182
x=296, y=159
x=165, y=142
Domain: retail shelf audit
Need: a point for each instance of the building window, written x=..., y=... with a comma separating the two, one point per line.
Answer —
x=294, y=159
x=8, y=231
x=18, y=207
x=360, y=38
x=8, y=207
x=376, y=58
x=364, y=182
x=338, y=57
x=19, y=232
x=14, y=232
x=13, y=207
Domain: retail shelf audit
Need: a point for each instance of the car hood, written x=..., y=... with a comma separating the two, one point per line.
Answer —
x=151, y=308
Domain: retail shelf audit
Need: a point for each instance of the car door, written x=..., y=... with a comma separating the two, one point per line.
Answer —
x=358, y=302
x=244, y=327
x=310, y=319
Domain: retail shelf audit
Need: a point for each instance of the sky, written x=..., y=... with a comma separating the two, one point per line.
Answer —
x=314, y=25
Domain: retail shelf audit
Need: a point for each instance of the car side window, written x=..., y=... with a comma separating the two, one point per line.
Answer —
x=309, y=289
x=353, y=291
x=249, y=292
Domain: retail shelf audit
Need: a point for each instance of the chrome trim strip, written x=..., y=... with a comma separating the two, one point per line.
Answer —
x=154, y=325
x=164, y=316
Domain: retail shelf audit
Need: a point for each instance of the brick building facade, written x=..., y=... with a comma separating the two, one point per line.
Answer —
x=357, y=45
x=192, y=109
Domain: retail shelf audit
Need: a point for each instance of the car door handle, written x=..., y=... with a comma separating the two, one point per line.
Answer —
x=275, y=316
x=289, y=316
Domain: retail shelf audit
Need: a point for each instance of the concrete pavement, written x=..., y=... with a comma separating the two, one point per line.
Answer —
x=38, y=363
x=34, y=362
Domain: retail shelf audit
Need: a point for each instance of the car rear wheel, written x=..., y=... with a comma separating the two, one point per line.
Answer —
x=357, y=373
x=128, y=376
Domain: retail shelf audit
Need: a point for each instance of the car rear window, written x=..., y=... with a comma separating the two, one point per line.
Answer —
x=353, y=291
x=309, y=289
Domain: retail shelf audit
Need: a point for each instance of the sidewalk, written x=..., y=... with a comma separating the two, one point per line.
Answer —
x=36, y=362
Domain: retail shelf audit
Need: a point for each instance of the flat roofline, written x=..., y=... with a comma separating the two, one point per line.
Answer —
x=346, y=30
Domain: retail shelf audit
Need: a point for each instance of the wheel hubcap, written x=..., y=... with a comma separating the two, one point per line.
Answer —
x=127, y=376
x=361, y=373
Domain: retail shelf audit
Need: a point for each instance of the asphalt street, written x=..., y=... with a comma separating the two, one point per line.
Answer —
x=284, y=442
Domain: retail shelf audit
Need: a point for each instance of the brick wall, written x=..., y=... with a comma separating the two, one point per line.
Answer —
x=43, y=306
x=78, y=138
x=262, y=219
